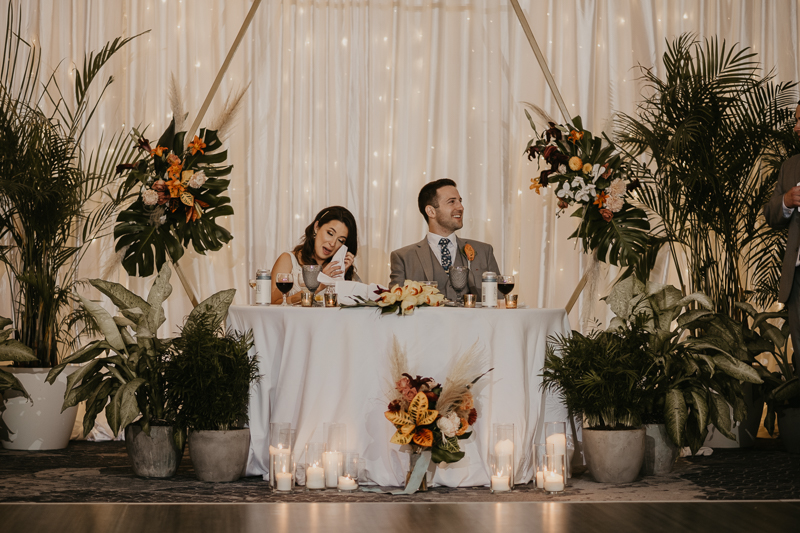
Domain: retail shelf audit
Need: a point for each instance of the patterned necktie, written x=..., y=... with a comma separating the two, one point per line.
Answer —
x=446, y=259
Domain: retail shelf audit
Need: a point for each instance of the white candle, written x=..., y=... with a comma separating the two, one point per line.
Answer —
x=315, y=477
x=500, y=483
x=504, y=447
x=346, y=483
x=540, y=479
x=284, y=480
x=332, y=463
x=553, y=482
x=559, y=443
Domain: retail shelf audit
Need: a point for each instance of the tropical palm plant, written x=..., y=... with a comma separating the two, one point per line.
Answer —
x=714, y=132
x=54, y=199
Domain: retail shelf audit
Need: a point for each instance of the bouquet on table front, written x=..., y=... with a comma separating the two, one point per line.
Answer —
x=428, y=415
x=588, y=171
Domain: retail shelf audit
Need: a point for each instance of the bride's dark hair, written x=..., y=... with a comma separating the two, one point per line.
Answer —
x=305, y=250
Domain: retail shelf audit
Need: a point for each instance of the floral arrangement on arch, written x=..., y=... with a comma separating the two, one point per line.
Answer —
x=587, y=171
x=178, y=194
x=403, y=299
x=428, y=415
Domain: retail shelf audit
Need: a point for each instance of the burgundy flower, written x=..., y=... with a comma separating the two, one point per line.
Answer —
x=553, y=132
x=161, y=188
x=144, y=144
x=606, y=214
x=394, y=406
x=544, y=177
x=634, y=184
x=432, y=397
x=122, y=167
x=562, y=204
x=473, y=416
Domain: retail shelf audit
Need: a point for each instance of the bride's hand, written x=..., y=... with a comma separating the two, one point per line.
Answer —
x=332, y=269
x=348, y=261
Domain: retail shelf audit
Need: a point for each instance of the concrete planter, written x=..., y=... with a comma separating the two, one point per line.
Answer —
x=154, y=456
x=614, y=456
x=746, y=431
x=660, y=453
x=38, y=424
x=789, y=427
x=219, y=455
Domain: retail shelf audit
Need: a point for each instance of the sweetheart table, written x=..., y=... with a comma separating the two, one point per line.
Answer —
x=321, y=365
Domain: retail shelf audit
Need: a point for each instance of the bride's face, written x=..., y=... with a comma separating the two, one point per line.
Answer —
x=330, y=237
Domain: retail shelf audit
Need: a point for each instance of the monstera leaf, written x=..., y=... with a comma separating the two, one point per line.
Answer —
x=621, y=241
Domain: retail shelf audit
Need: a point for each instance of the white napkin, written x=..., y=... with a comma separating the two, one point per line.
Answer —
x=338, y=257
x=348, y=290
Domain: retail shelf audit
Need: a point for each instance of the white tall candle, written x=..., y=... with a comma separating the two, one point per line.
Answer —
x=540, y=479
x=284, y=481
x=332, y=463
x=559, y=442
x=315, y=477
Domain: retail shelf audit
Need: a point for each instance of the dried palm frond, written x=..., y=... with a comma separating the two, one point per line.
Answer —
x=224, y=120
x=541, y=113
x=467, y=369
x=398, y=364
x=176, y=103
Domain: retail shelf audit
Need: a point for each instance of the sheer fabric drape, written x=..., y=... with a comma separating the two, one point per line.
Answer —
x=359, y=103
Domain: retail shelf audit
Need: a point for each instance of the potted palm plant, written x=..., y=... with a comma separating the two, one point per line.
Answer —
x=54, y=201
x=209, y=374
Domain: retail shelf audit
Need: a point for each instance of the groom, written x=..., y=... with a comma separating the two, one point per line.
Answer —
x=431, y=258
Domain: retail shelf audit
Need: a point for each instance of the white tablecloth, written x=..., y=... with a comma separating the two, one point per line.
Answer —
x=330, y=365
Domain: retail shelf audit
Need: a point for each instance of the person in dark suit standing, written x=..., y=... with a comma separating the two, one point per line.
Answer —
x=781, y=212
x=431, y=258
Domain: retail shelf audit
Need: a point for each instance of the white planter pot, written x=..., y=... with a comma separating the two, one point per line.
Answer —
x=38, y=424
x=660, y=453
x=219, y=455
x=614, y=456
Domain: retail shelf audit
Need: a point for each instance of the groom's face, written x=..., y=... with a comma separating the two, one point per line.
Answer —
x=449, y=213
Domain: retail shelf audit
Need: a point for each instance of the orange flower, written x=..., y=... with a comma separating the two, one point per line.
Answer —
x=192, y=213
x=175, y=171
x=469, y=251
x=575, y=136
x=536, y=185
x=175, y=188
x=575, y=163
x=197, y=145
x=464, y=427
x=601, y=199
x=423, y=437
x=159, y=151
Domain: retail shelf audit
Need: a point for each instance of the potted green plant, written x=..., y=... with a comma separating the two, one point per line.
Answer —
x=123, y=373
x=15, y=351
x=600, y=377
x=209, y=374
x=781, y=387
x=699, y=364
x=54, y=201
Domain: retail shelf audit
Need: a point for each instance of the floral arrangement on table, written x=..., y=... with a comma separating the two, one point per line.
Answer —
x=428, y=415
x=177, y=196
x=403, y=300
x=587, y=171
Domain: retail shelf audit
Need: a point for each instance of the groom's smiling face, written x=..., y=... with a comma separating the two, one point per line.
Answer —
x=448, y=212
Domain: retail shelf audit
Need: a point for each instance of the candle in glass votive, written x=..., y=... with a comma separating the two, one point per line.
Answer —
x=306, y=299
x=331, y=462
x=540, y=479
x=553, y=482
x=500, y=484
x=315, y=477
x=346, y=483
x=559, y=443
x=284, y=481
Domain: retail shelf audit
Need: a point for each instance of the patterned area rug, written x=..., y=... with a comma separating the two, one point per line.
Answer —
x=100, y=472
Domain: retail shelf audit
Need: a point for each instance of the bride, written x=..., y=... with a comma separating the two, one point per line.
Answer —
x=331, y=228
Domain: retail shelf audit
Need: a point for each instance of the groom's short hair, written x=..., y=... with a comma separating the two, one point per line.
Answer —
x=428, y=194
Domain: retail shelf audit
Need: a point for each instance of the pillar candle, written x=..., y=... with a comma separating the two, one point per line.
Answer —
x=284, y=480
x=345, y=483
x=553, y=482
x=500, y=483
x=315, y=477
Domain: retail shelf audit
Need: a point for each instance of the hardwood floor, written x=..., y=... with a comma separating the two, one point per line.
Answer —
x=722, y=517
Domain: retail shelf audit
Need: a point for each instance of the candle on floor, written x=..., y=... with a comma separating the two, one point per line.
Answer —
x=553, y=482
x=315, y=477
x=346, y=483
x=500, y=484
x=540, y=479
x=284, y=481
x=331, y=462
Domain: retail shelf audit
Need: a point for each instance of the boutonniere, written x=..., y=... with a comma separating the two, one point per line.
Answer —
x=469, y=252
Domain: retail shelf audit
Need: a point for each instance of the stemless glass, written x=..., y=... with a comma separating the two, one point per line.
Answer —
x=311, y=277
x=505, y=284
x=284, y=282
x=458, y=278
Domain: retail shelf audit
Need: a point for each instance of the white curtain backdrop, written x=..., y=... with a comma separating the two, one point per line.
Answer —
x=361, y=102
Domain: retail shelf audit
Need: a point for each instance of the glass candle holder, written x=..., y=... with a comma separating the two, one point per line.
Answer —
x=540, y=464
x=502, y=449
x=555, y=478
x=555, y=434
x=306, y=299
x=502, y=473
x=333, y=458
x=469, y=300
x=511, y=301
x=279, y=443
x=283, y=466
x=314, y=471
x=348, y=481
x=331, y=299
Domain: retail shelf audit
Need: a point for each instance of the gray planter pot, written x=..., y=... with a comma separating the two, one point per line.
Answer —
x=155, y=456
x=614, y=456
x=789, y=428
x=219, y=455
x=660, y=453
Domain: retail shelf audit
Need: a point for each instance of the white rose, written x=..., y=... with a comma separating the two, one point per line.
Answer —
x=449, y=424
x=197, y=180
x=149, y=197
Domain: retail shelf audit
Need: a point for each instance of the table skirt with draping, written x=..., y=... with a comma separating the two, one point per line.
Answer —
x=322, y=365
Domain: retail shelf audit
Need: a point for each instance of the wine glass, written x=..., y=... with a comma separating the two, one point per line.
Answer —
x=284, y=282
x=505, y=284
x=458, y=279
x=311, y=277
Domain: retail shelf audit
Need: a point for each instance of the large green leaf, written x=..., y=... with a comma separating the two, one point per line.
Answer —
x=105, y=322
x=720, y=415
x=675, y=415
x=126, y=408
x=13, y=350
x=736, y=369
x=215, y=305
x=158, y=294
x=119, y=295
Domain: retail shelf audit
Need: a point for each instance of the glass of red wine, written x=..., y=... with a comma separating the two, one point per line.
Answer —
x=505, y=284
x=284, y=283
